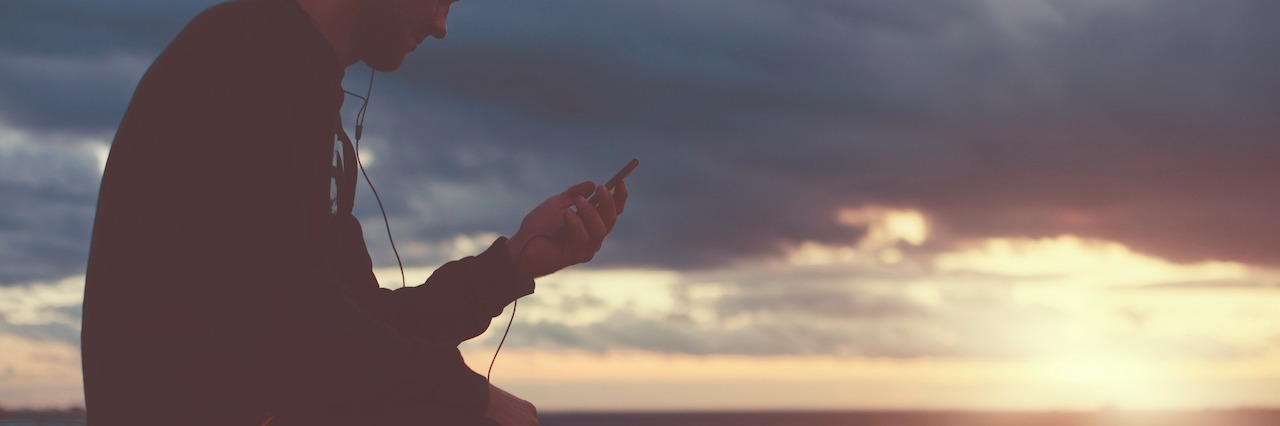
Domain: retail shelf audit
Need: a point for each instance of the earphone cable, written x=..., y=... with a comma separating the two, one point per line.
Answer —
x=514, y=305
x=364, y=108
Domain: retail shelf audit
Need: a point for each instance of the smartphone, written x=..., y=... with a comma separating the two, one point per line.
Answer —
x=617, y=179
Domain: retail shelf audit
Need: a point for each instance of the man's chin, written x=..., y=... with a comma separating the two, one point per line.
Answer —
x=385, y=63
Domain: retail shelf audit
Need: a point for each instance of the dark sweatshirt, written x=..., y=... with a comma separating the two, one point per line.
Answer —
x=225, y=283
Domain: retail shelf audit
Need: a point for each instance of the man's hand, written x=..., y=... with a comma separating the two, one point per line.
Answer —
x=553, y=236
x=508, y=410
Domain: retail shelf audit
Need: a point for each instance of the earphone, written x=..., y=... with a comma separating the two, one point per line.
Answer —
x=359, y=132
x=364, y=108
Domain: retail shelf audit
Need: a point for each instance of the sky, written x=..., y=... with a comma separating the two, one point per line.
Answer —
x=841, y=204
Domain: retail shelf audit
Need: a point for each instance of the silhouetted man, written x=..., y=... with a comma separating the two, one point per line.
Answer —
x=228, y=282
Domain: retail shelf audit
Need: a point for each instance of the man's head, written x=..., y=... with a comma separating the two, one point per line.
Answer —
x=390, y=29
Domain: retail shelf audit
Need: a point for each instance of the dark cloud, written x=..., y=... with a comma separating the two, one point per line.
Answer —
x=1151, y=123
x=1145, y=122
x=80, y=28
x=72, y=65
x=58, y=93
x=50, y=191
x=1142, y=123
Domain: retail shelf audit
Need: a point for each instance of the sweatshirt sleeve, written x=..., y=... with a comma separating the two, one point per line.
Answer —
x=265, y=291
x=455, y=304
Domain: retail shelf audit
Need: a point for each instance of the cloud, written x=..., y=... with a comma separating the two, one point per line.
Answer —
x=991, y=179
x=754, y=129
x=44, y=311
x=71, y=67
x=1136, y=122
x=1211, y=285
x=86, y=27
x=779, y=329
x=57, y=93
x=49, y=183
x=39, y=372
x=982, y=302
x=761, y=128
x=58, y=332
x=1059, y=260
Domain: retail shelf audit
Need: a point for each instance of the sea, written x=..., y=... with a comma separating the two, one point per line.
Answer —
x=919, y=418
x=1243, y=417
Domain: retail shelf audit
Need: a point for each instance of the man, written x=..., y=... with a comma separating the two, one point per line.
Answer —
x=228, y=282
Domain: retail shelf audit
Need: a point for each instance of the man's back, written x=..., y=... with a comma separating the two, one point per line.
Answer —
x=158, y=339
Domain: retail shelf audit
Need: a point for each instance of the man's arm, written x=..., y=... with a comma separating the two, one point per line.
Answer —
x=461, y=297
x=455, y=304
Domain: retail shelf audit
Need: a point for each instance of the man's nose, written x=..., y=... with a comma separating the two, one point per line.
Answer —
x=439, y=30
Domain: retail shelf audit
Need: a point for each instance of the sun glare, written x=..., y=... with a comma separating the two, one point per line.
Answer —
x=1091, y=371
x=1103, y=337
x=1069, y=259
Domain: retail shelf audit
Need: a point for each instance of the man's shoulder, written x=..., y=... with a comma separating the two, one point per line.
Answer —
x=232, y=20
x=243, y=15
x=272, y=37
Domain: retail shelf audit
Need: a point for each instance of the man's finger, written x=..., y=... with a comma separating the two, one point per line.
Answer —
x=608, y=212
x=581, y=189
x=596, y=228
x=577, y=244
x=620, y=197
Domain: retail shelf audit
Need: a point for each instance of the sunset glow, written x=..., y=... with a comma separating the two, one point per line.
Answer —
x=969, y=205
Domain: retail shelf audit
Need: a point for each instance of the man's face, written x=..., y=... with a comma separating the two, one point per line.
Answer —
x=393, y=28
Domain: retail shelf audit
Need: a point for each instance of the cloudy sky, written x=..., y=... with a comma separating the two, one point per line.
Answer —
x=999, y=204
